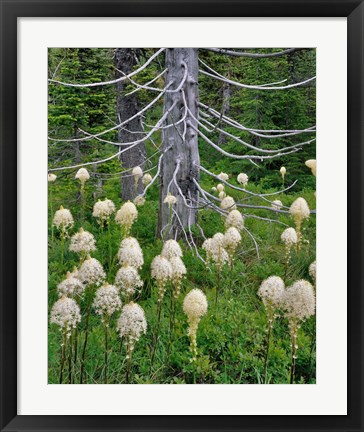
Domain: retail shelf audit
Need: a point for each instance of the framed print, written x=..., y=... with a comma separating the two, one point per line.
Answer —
x=185, y=266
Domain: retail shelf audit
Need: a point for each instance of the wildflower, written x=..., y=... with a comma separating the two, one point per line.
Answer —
x=271, y=291
x=83, y=175
x=126, y=216
x=223, y=176
x=91, y=272
x=128, y=280
x=299, y=211
x=63, y=220
x=228, y=203
x=66, y=314
x=234, y=219
x=215, y=251
x=71, y=286
x=161, y=272
x=213, y=189
x=283, y=171
x=132, y=323
x=277, y=204
x=243, y=179
x=220, y=187
x=289, y=236
x=231, y=241
x=137, y=173
x=130, y=253
x=51, y=177
x=147, y=179
x=299, y=301
x=177, y=274
x=107, y=301
x=170, y=199
x=171, y=249
x=83, y=242
x=311, y=163
x=222, y=195
x=103, y=210
x=139, y=200
x=195, y=307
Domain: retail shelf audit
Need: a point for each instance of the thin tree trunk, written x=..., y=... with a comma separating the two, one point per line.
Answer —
x=127, y=106
x=181, y=142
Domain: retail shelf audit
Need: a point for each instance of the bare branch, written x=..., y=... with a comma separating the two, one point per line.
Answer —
x=123, y=78
x=252, y=55
x=254, y=87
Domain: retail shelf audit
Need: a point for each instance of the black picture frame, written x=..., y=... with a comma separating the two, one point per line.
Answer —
x=10, y=11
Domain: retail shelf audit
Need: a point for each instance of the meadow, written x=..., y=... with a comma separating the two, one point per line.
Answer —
x=233, y=333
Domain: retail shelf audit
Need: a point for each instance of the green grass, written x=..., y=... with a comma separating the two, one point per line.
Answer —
x=231, y=336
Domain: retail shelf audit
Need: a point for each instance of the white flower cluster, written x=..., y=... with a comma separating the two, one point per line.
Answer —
x=63, y=219
x=311, y=163
x=130, y=253
x=132, y=322
x=243, y=179
x=283, y=171
x=107, y=300
x=103, y=210
x=271, y=292
x=137, y=172
x=66, y=313
x=222, y=195
x=126, y=216
x=128, y=280
x=91, y=272
x=223, y=176
x=228, y=203
x=82, y=175
x=277, y=204
x=82, y=242
x=147, y=179
x=161, y=271
x=299, y=301
x=171, y=249
x=312, y=270
x=194, y=306
x=215, y=250
x=232, y=238
x=220, y=187
x=139, y=200
x=52, y=177
x=71, y=286
x=299, y=210
x=289, y=237
x=234, y=219
x=170, y=199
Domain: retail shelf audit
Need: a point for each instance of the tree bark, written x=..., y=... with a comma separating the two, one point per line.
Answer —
x=127, y=106
x=182, y=148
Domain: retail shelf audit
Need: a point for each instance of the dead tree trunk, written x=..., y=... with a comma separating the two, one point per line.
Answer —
x=127, y=106
x=180, y=144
